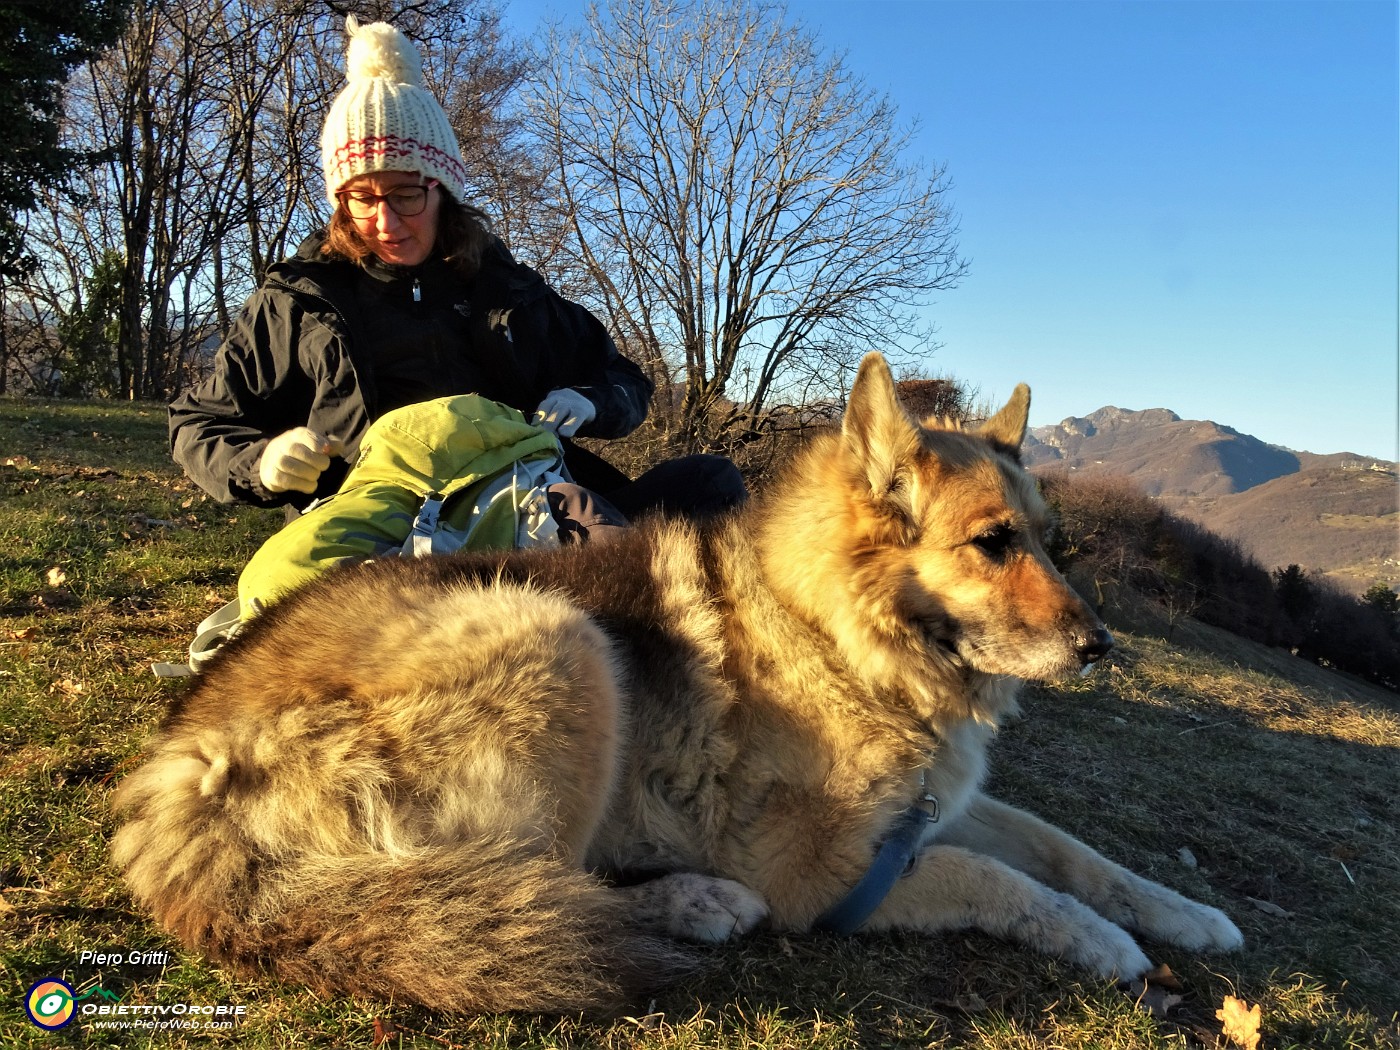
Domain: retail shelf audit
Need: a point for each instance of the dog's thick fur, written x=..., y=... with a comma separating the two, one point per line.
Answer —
x=411, y=780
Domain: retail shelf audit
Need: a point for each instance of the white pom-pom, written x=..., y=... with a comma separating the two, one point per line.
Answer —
x=379, y=51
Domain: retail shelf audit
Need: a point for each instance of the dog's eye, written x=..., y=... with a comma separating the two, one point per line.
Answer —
x=996, y=542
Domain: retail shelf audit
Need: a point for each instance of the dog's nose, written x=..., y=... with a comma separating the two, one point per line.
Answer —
x=1094, y=646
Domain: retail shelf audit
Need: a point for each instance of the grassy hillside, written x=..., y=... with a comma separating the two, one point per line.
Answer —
x=1279, y=778
x=1342, y=522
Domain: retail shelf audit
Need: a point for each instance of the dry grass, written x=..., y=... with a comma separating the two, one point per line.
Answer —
x=1280, y=779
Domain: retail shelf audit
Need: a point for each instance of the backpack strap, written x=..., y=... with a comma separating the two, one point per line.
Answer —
x=213, y=631
x=420, y=542
x=509, y=510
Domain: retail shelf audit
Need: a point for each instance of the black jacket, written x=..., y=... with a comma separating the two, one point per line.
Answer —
x=297, y=356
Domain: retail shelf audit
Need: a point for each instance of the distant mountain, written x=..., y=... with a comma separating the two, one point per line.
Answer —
x=1338, y=514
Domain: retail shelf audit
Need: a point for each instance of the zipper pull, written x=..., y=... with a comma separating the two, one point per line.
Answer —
x=417, y=290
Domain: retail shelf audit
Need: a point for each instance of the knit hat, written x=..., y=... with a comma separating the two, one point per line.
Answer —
x=384, y=119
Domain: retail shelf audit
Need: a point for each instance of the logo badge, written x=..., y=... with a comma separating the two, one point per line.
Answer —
x=49, y=1003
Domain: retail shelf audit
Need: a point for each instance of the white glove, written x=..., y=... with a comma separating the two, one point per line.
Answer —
x=294, y=460
x=564, y=411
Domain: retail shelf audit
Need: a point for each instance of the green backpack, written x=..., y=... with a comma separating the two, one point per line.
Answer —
x=460, y=472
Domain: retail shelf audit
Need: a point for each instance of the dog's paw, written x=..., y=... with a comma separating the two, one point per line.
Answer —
x=1201, y=928
x=1112, y=953
x=697, y=907
x=710, y=909
x=1165, y=915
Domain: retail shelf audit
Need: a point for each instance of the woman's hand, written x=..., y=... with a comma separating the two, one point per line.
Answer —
x=293, y=461
x=564, y=411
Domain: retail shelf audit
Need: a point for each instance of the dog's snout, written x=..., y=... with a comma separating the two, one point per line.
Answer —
x=1093, y=646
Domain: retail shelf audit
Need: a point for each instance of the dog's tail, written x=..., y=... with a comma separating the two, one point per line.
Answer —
x=488, y=923
x=477, y=929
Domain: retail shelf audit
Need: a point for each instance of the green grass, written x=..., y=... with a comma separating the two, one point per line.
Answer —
x=1278, y=777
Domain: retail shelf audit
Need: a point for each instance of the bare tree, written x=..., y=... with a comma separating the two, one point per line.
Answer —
x=177, y=107
x=209, y=114
x=742, y=203
x=1105, y=527
x=478, y=74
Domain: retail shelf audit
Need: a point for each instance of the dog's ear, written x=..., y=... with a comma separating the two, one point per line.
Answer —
x=1007, y=429
x=877, y=429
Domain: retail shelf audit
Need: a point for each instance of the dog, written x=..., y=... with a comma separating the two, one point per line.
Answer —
x=521, y=782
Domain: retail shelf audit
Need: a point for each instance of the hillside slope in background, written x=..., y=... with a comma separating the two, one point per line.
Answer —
x=1337, y=515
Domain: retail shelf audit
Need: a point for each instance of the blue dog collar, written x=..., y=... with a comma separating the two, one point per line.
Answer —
x=895, y=858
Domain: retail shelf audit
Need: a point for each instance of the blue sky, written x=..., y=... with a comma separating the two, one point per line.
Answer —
x=1184, y=204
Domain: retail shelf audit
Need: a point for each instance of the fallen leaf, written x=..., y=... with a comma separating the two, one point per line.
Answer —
x=56, y=577
x=1241, y=1022
x=24, y=634
x=1162, y=975
x=1157, y=991
x=1269, y=908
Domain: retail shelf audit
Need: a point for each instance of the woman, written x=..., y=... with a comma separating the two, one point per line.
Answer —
x=407, y=297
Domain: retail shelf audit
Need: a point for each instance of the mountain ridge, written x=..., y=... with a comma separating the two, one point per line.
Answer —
x=1336, y=514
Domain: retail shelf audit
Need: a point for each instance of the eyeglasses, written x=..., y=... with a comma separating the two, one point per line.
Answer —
x=404, y=201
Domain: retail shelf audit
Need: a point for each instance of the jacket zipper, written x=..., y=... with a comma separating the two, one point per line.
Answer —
x=417, y=290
